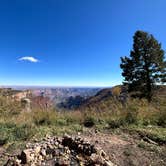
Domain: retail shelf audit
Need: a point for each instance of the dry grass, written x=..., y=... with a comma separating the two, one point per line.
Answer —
x=18, y=125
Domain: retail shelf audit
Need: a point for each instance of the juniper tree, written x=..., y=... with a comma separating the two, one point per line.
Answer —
x=145, y=67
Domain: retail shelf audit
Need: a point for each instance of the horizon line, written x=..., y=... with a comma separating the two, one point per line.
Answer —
x=57, y=86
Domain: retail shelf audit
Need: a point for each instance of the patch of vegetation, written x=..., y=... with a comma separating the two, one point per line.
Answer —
x=114, y=123
x=12, y=132
x=89, y=121
x=149, y=147
x=24, y=132
x=110, y=114
x=154, y=133
x=127, y=152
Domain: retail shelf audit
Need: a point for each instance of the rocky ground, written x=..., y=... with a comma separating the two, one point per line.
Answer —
x=63, y=151
x=91, y=148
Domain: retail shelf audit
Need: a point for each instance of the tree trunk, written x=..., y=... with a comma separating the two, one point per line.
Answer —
x=148, y=82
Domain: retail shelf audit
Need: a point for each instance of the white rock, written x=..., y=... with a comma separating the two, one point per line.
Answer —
x=37, y=149
x=26, y=156
x=109, y=163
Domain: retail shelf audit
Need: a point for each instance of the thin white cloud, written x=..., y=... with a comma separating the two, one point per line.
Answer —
x=29, y=58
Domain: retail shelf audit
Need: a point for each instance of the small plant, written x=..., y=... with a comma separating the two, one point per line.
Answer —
x=131, y=116
x=41, y=118
x=89, y=122
x=162, y=119
x=127, y=152
x=142, y=145
x=115, y=123
x=3, y=140
x=5, y=133
x=61, y=122
x=23, y=132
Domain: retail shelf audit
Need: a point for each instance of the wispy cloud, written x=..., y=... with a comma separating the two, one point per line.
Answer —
x=29, y=58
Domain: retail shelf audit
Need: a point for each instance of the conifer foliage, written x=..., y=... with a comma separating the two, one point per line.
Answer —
x=145, y=67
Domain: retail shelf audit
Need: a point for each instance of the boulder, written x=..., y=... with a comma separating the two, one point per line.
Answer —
x=26, y=156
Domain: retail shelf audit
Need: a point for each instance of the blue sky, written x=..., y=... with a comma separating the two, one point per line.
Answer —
x=72, y=42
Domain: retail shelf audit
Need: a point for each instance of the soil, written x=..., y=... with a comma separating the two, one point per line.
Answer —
x=123, y=149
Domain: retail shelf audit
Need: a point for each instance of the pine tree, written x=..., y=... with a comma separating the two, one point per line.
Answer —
x=145, y=67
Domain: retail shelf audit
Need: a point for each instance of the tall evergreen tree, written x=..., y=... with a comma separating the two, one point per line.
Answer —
x=145, y=67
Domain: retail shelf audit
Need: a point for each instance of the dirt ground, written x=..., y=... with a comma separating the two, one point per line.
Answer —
x=129, y=150
x=124, y=149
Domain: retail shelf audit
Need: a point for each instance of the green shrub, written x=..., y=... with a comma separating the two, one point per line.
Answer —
x=131, y=116
x=142, y=145
x=6, y=133
x=115, y=123
x=162, y=119
x=61, y=122
x=76, y=128
x=89, y=121
x=3, y=136
x=23, y=132
x=42, y=121
x=11, y=132
x=41, y=118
